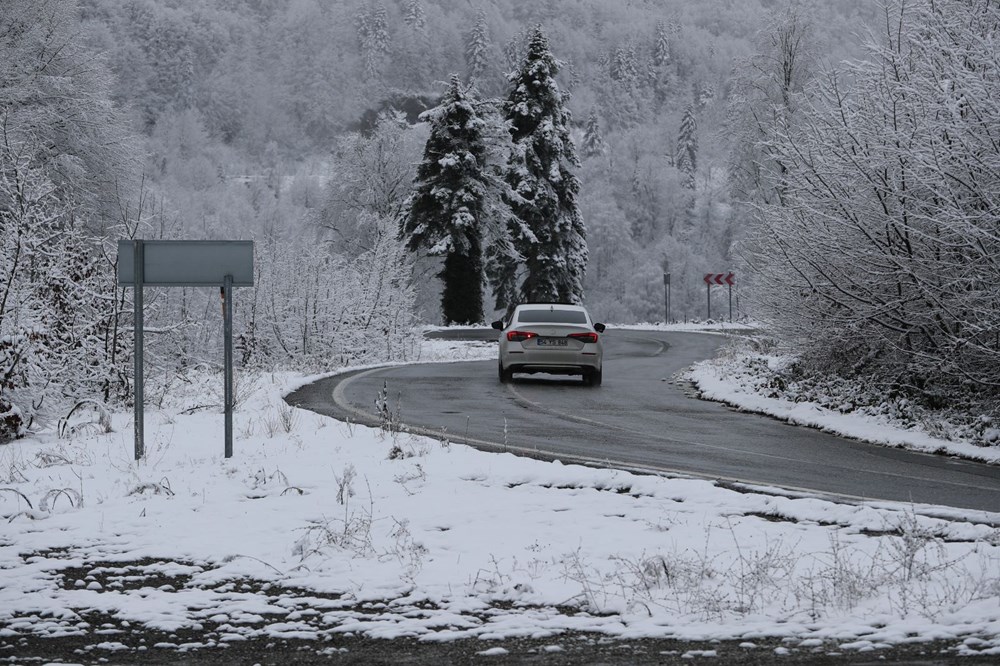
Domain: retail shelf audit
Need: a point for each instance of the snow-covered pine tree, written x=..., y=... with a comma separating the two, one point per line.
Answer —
x=516, y=48
x=687, y=147
x=415, y=16
x=458, y=201
x=661, y=49
x=661, y=63
x=593, y=141
x=552, y=240
x=373, y=33
x=477, y=48
x=625, y=65
x=623, y=97
x=704, y=94
x=412, y=46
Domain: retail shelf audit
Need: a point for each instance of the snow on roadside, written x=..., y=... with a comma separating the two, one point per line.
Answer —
x=316, y=528
x=728, y=381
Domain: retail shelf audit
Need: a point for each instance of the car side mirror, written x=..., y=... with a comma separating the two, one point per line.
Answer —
x=498, y=325
x=599, y=328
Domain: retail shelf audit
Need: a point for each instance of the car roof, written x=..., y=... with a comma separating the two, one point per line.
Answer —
x=553, y=306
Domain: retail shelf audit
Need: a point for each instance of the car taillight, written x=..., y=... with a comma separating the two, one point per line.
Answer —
x=584, y=337
x=520, y=336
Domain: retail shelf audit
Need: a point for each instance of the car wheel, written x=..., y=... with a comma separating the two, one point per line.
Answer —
x=594, y=377
x=505, y=375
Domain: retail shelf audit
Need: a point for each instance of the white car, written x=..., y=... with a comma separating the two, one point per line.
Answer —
x=554, y=338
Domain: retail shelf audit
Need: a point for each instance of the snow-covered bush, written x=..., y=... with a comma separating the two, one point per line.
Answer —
x=57, y=298
x=65, y=162
x=313, y=309
x=879, y=258
x=757, y=367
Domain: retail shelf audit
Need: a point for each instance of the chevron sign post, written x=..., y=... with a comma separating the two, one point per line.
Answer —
x=728, y=279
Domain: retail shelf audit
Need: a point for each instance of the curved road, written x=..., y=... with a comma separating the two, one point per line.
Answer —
x=641, y=419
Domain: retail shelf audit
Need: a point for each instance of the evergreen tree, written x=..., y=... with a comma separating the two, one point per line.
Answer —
x=687, y=147
x=413, y=45
x=661, y=64
x=373, y=34
x=552, y=240
x=623, y=95
x=704, y=94
x=516, y=48
x=415, y=16
x=661, y=50
x=625, y=65
x=477, y=47
x=458, y=203
x=593, y=141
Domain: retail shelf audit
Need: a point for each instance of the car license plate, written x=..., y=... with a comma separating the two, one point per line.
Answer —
x=552, y=342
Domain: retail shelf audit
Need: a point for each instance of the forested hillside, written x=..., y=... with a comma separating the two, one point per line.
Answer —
x=709, y=136
x=247, y=106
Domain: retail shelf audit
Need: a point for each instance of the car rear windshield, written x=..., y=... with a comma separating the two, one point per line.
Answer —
x=552, y=316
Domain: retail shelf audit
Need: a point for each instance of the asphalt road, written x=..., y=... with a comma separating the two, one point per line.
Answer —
x=641, y=418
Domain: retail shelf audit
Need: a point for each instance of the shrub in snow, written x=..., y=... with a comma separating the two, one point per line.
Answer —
x=64, y=164
x=15, y=357
x=313, y=309
x=963, y=414
x=12, y=423
x=877, y=260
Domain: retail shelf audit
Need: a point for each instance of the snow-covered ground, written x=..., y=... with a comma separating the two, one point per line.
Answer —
x=737, y=382
x=316, y=527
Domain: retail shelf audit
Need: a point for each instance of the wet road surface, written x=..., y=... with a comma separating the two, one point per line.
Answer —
x=643, y=418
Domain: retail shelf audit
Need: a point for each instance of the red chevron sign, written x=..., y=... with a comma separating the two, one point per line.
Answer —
x=720, y=278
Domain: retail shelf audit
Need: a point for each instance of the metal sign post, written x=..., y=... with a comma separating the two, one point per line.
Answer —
x=708, y=291
x=666, y=294
x=730, y=303
x=730, y=280
x=138, y=318
x=227, y=326
x=225, y=264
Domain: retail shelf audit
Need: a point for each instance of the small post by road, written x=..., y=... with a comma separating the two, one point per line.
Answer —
x=137, y=305
x=666, y=295
x=708, y=296
x=730, y=279
x=227, y=295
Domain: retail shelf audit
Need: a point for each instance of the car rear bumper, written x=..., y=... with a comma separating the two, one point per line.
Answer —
x=551, y=361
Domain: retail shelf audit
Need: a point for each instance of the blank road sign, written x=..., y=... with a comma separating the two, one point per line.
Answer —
x=187, y=263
